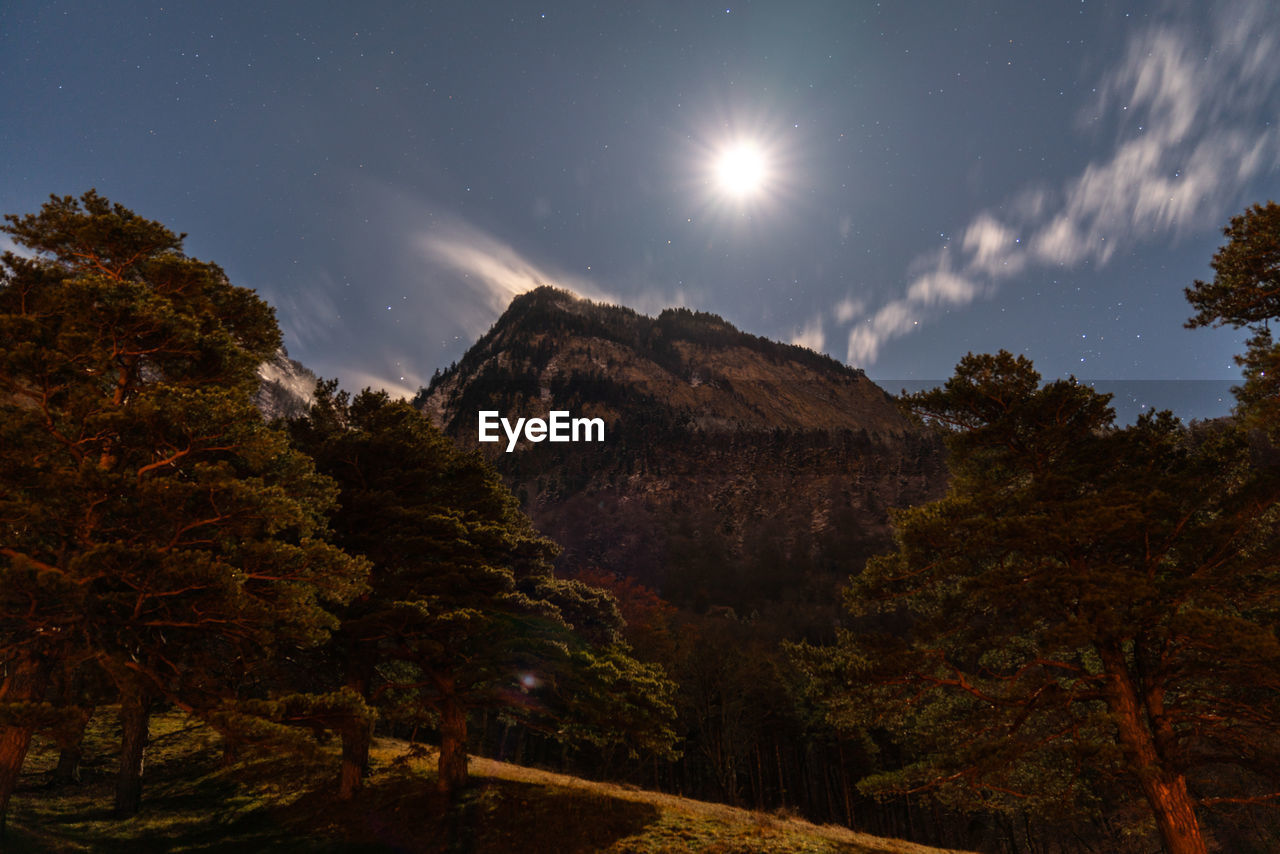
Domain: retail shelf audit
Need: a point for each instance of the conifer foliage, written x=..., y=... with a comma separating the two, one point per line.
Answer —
x=1089, y=614
x=152, y=527
x=1245, y=292
x=463, y=611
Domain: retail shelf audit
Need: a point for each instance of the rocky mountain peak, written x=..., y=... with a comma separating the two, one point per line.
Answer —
x=560, y=350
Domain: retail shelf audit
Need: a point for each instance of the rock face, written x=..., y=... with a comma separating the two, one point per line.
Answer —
x=287, y=387
x=735, y=470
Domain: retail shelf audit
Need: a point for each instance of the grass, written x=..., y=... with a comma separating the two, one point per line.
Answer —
x=192, y=802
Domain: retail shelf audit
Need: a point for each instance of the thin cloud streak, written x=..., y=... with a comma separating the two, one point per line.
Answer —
x=494, y=273
x=811, y=336
x=1183, y=157
x=400, y=390
x=462, y=277
x=490, y=269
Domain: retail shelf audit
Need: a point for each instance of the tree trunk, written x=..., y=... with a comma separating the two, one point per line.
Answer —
x=844, y=788
x=67, y=771
x=356, y=735
x=1165, y=789
x=135, y=713
x=782, y=781
x=14, y=741
x=70, y=754
x=453, y=746
x=355, y=759
x=25, y=681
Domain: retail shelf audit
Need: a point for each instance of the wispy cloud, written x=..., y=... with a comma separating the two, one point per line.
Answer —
x=848, y=308
x=443, y=280
x=989, y=245
x=491, y=270
x=811, y=335
x=309, y=315
x=491, y=273
x=1190, y=140
x=404, y=387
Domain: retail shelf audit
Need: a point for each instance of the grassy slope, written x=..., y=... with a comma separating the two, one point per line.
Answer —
x=284, y=803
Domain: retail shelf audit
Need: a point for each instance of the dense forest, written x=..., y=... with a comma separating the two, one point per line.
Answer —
x=1074, y=649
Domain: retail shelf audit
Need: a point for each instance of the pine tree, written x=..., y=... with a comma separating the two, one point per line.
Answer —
x=463, y=610
x=1245, y=293
x=154, y=528
x=1089, y=610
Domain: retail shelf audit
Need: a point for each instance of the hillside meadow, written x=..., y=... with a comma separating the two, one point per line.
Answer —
x=195, y=802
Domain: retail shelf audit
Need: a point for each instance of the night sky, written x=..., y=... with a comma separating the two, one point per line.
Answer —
x=924, y=179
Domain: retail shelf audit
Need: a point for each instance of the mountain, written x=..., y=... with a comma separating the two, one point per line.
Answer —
x=735, y=471
x=287, y=387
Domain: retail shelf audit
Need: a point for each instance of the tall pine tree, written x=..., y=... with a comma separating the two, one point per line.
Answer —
x=463, y=611
x=153, y=527
x=1089, y=610
x=1245, y=293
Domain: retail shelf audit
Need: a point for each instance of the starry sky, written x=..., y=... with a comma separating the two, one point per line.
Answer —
x=934, y=178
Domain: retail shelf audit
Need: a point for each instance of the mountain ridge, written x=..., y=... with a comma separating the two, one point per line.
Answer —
x=693, y=363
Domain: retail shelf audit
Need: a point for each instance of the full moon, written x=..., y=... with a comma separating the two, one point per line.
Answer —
x=740, y=170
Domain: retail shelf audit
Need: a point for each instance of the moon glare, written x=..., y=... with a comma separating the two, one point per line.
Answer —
x=740, y=170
